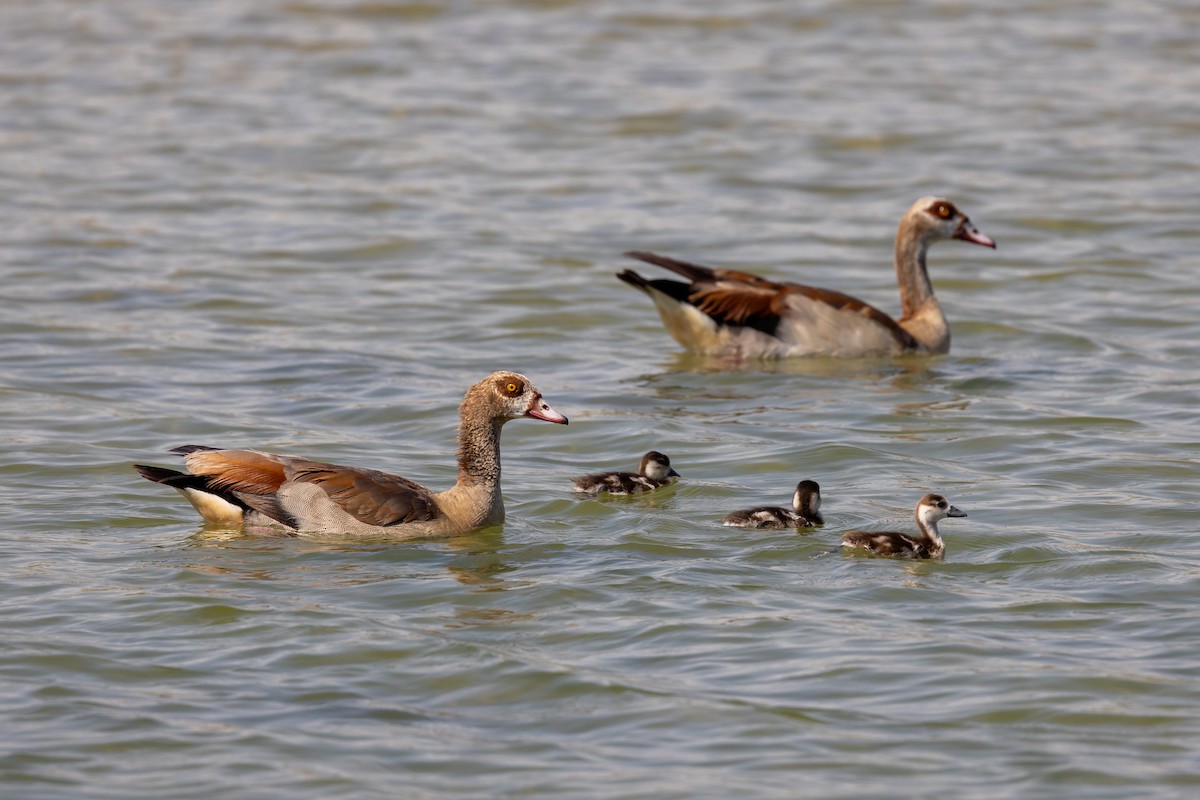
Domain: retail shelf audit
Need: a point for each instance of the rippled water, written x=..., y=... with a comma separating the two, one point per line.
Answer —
x=308, y=226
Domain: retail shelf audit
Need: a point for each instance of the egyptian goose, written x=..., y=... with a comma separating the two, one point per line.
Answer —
x=804, y=513
x=251, y=488
x=725, y=312
x=931, y=509
x=654, y=470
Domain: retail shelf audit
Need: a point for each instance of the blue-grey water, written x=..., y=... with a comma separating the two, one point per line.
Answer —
x=308, y=225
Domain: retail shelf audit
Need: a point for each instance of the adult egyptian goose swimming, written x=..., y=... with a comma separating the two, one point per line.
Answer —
x=804, y=513
x=654, y=470
x=724, y=312
x=927, y=543
x=251, y=488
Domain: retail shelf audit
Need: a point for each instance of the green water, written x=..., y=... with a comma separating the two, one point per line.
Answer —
x=308, y=227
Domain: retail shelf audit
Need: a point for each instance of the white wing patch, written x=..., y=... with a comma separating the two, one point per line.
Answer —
x=215, y=510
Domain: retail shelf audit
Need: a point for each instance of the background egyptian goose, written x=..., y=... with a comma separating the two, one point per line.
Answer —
x=931, y=509
x=729, y=313
x=654, y=470
x=247, y=487
x=804, y=513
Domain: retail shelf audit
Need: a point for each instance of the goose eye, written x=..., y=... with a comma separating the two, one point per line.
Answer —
x=943, y=211
x=511, y=388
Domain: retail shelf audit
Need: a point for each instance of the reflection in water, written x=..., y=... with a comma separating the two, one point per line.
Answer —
x=476, y=558
x=931, y=408
x=472, y=617
x=478, y=562
x=817, y=379
x=868, y=369
x=658, y=499
x=879, y=376
x=475, y=562
x=951, y=385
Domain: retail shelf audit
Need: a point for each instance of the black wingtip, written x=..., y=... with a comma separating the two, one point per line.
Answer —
x=184, y=450
x=157, y=474
x=693, y=272
x=633, y=279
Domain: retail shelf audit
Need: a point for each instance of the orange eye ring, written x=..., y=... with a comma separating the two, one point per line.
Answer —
x=943, y=212
x=512, y=387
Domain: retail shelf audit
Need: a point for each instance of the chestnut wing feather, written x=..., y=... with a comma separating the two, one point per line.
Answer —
x=246, y=471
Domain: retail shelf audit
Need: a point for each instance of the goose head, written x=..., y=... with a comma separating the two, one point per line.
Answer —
x=937, y=218
x=510, y=395
x=655, y=466
x=932, y=508
x=807, y=500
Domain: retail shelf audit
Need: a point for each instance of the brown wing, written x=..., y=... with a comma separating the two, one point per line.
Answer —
x=729, y=297
x=369, y=496
x=236, y=470
x=733, y=297
x=739, y=298
x=886, y=543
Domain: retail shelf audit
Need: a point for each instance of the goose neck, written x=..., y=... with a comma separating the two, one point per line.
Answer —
x=911, y=272
x=929, y=532
x=479, y=451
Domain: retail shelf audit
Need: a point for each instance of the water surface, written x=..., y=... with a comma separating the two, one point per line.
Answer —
x=308, y=226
